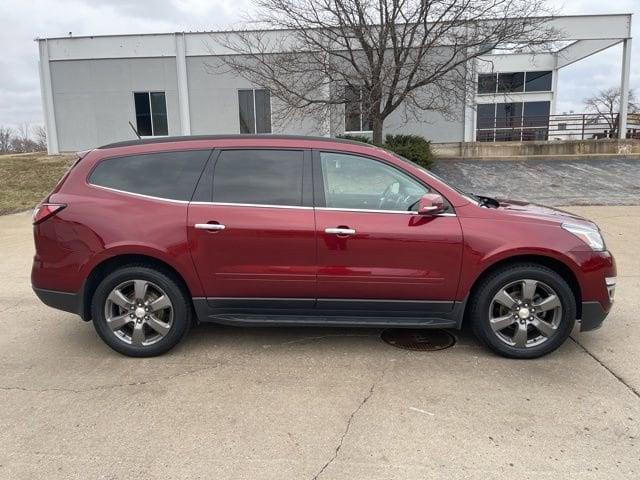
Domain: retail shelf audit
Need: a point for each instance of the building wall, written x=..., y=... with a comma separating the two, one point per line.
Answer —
x=213, y=101
x=88, y=82
x=431, y=125
x=93, y=103
x=93, y=99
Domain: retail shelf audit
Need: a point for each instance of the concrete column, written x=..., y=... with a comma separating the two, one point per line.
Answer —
x=46, y=93
x=554, y=91
x=624, y=87
x=469, y=113
x=183, y=87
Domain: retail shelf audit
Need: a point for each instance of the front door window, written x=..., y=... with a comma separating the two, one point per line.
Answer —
x=354, y=182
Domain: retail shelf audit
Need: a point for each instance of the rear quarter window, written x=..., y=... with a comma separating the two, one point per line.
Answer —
x=171, y=175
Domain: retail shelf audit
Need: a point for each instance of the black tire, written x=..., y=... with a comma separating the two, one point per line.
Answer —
x=480, y=304
x=180, y=302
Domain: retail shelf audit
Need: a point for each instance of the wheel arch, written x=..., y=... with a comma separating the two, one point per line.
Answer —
x=115, y=262
x=554, y=264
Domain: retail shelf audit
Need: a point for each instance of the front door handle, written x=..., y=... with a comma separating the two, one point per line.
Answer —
x=209, y=226
x=340, y=231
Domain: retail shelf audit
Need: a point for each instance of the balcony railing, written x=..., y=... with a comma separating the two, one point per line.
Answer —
x=573, y=126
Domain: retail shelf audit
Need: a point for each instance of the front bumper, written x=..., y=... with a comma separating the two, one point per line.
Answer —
x=68, y=302
x=593, y=314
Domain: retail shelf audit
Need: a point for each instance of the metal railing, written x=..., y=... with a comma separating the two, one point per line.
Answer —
x=572, y=126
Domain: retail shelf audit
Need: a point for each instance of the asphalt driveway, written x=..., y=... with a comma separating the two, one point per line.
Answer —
x=302, y=403
x=550, y=182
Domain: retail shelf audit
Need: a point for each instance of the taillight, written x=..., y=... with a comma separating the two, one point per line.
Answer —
x=46, y=210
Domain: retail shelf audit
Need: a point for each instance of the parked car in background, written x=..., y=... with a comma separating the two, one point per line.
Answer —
x=146, y=237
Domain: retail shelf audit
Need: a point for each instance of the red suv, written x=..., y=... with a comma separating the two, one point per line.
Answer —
x=147, y=237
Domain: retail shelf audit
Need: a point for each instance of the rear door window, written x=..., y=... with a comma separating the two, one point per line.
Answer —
x=259, y=177
x=171, y=175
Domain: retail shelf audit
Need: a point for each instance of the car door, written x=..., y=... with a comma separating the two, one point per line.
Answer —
x=254, y=237
x=372, y=250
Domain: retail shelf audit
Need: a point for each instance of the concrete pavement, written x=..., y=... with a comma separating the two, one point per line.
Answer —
x=302, y=403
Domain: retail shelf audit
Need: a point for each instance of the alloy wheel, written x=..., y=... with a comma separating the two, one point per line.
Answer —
x=525, y=313
x=139, y=312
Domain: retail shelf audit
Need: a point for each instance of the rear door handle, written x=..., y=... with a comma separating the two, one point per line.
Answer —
x=340, y=231
x=209, y=226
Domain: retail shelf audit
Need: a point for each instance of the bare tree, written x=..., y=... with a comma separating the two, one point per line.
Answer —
x=372, y=56
x=606, y=104
x=40, y=135
x=21, y=141
x=6, y=134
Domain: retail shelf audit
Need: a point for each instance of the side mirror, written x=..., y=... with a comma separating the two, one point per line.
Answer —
x=430, y=204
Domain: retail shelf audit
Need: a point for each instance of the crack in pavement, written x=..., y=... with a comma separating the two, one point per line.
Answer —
x=347, y=427
x=615, y=375
x=112, y=386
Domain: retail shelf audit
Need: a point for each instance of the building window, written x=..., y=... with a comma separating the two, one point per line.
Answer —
x=536, y=114
x=515, y=121
x=356, y=118
x=487, y=82
x=538, y=81
x=254, y=110
x=515, y=82
x=510, y=82
x=151, y=113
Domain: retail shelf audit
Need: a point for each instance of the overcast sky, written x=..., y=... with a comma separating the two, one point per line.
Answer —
x=23, y=20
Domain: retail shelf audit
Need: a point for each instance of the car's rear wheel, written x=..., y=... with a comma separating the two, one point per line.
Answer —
x=523, y=311
x=140, y=311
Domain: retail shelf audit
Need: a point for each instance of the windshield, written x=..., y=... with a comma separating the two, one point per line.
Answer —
x=469, y=196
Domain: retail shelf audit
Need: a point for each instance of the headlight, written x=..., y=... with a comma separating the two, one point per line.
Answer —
x=590, y=236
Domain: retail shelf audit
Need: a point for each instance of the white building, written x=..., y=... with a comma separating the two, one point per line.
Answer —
x=94, y=86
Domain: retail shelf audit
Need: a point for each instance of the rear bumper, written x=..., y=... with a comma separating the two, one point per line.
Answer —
x=593, y=314
x=68, y=302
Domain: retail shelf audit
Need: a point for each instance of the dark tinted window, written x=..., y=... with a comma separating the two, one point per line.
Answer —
x=486, y=115
x=485, y=135
x=264, y=177
x=159, y=113
x=263, y=111
x=510, y=82
x=487, y=83
x=508, y=115
x=255, y=111
x=245, y=102
x=508, y=135
x=167, y=175
x=352, y=110
x=356, y=111
x=536, y=114
x=538, y=81
x=143, y=114
x=151, y=113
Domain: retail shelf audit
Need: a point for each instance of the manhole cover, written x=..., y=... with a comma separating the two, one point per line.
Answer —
x=418, y=340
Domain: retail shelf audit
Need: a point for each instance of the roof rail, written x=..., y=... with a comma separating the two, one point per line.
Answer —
x=147, y=141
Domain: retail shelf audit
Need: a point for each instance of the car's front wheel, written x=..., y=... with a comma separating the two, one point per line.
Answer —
x=523, y=311
x=140, y=311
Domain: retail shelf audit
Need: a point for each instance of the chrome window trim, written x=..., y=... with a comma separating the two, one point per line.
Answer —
x=259, y=205
x=141, y=195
